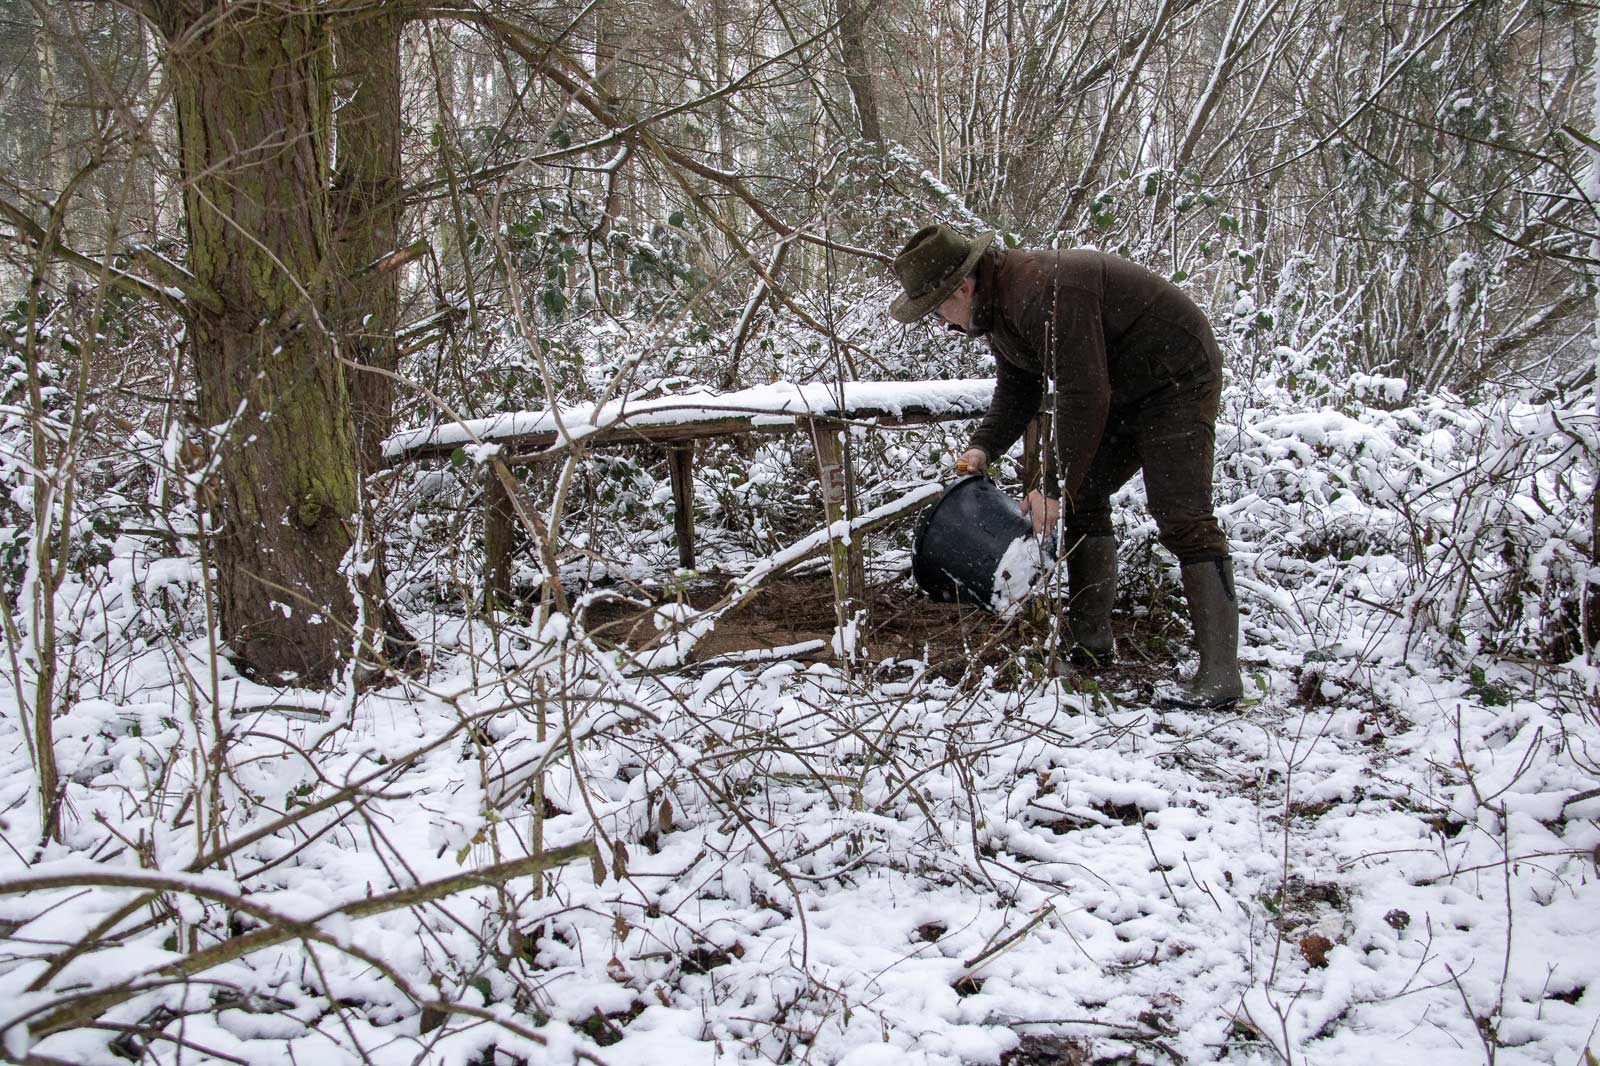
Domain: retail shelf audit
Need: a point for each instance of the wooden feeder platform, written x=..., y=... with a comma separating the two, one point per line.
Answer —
x=675, y=423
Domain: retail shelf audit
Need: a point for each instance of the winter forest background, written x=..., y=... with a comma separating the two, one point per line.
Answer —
x=285, y=780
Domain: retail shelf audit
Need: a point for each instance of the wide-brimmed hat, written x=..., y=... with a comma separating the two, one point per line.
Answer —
x=930, y=266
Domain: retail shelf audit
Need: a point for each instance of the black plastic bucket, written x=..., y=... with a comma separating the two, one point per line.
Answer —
x=974, y=546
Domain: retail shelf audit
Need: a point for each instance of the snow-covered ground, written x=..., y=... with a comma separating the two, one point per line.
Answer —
x=1388, y=855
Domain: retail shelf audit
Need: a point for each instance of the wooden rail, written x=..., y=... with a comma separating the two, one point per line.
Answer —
x=674, y=418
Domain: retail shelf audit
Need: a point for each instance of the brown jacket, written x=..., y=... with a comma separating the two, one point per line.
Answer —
x=1110, y=333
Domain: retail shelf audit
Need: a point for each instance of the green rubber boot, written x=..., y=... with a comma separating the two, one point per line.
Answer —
x=1091, y=590
x=1214, y=610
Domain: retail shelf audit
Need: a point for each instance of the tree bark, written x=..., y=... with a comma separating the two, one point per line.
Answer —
x=367, y=201
x=251, y=87
x=367, y=194
x=858, y=66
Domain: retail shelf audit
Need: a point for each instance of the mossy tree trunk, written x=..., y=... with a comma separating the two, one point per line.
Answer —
x=367, y=203
x=251, y=85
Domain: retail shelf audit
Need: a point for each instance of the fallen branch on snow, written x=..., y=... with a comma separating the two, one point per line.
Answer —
x=82, y=1008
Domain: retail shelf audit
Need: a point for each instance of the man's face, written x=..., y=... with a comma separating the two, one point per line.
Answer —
x=956, y=311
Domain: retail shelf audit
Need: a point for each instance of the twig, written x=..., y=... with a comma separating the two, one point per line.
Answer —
x=85, y=1008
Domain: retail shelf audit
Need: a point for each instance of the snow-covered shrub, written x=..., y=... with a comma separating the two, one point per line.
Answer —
x=69, y=445
x=576, y=261
x=1481, y=510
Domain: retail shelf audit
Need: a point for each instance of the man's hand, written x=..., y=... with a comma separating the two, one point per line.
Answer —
x=972, y=461
x=1044, y=511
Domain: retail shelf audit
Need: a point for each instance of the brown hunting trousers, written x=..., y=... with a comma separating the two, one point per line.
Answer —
x=1171, y=435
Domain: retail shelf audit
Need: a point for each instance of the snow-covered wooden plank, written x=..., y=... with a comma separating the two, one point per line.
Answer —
x=778, y=407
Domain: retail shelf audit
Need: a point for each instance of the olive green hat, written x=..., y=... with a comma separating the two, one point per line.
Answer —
x=930, y=266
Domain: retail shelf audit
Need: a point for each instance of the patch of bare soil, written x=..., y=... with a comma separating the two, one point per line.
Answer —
x=902, y=624
x=1048, y=1051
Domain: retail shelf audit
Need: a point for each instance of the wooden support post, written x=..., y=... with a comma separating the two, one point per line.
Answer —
x=499, y=537
x=849, y=570
x=1034, y=441
x=680, y=460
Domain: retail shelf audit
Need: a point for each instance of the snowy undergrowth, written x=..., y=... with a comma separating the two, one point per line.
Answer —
x=1390, y=853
